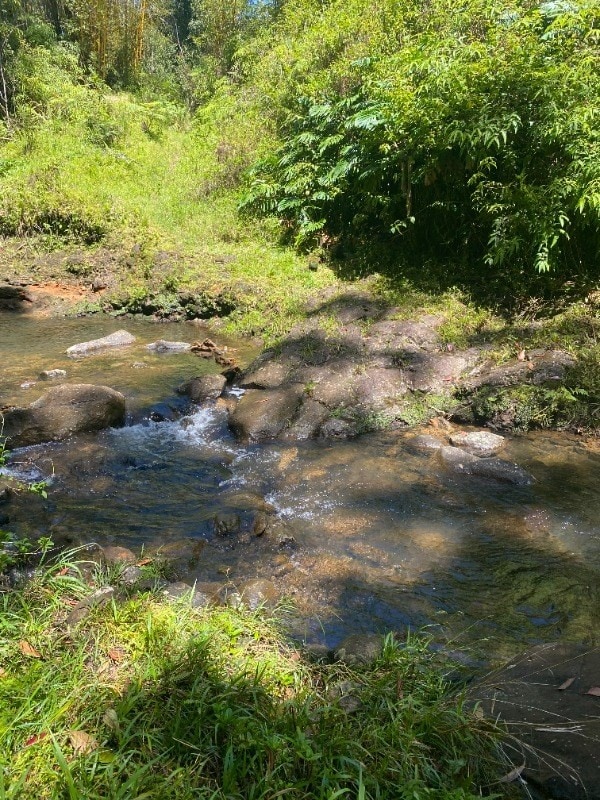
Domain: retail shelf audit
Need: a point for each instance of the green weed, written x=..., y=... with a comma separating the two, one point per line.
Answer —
x=149, y=699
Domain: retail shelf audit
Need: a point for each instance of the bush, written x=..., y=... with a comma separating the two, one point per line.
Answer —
x=477, y=138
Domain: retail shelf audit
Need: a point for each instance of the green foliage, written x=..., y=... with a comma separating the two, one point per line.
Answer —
x=17, y=552
x=177, y=703
x=478, y=137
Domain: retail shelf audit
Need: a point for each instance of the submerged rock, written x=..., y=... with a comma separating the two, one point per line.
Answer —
x=461, y=461
x=164, y=346
x=257, y=593
x=425, y=443
x=63, y=411
x=52, y=374
x=120, y=338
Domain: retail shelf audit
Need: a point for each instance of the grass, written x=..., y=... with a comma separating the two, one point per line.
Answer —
x=156, y=189
x=145, y=698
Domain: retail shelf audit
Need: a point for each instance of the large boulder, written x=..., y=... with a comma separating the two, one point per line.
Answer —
x=63, y=411
x=261, y=415
x=120, y=338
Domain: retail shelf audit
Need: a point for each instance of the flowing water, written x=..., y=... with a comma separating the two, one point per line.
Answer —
x=378, y=536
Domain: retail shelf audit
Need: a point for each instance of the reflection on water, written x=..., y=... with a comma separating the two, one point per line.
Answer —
x=385, y=537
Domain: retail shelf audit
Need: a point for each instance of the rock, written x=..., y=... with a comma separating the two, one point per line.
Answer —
x=338, y=428
x=131, y=575
x=269, y=375
x=281, y=535
x=182, y=555
x=426, y=443
x=495, y=468
x=227, y=524
x=478, y=443
x=258, y=593
x=115, y=556
x=261, y=415
x=6, y=492
x=559, y=728
x=98, y=285
x=500, y=470
x=203, y=387
x=63, y=411
x=180, y=591
x=164, y=346
x=120, y=338
x=435, y=372
x=359, y=648
x=311, y=415
x=347, y=695
x=14, y=298
x=52, y=374
x=81, y=610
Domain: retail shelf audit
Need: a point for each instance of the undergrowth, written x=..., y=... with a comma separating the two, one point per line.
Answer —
x=145, y=699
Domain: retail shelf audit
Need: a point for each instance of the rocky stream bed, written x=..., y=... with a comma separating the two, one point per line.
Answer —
x=299, y=473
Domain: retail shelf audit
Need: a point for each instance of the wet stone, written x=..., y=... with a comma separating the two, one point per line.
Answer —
x=494, y=468
x=264, y=414
x=52, y=374
x=203, y=387
x=181, y=555
x=257, y=593
x=338, y=428
x=478, y=443
x=359, y=648
x=63, y=411
x=120, y=338
x=426, y=443
x=165, y=346
x=115, y=555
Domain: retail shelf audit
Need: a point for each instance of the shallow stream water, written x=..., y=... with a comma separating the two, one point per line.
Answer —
x=385, y=538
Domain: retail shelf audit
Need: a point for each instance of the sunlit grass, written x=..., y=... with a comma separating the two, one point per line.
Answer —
x=143, y=698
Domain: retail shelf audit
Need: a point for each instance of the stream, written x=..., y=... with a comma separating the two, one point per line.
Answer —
x=378, y=536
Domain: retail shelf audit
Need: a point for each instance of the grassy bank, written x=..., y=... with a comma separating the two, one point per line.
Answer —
x=144, y=698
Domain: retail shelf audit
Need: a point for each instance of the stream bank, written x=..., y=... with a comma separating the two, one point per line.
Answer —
x=366, y=522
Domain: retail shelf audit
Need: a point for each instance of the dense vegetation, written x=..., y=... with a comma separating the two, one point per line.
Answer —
x=462, y=132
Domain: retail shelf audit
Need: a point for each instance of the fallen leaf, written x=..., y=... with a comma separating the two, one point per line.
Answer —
x=3, y=673
x=116, y=654
x=594, y=691
x=38, y=737
x=521, y=355
x=513, y=774
x=110, y=719
x=62, y=572
x=28, y=650
x=82, y=743
x=144, y=562
x=566, y=684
